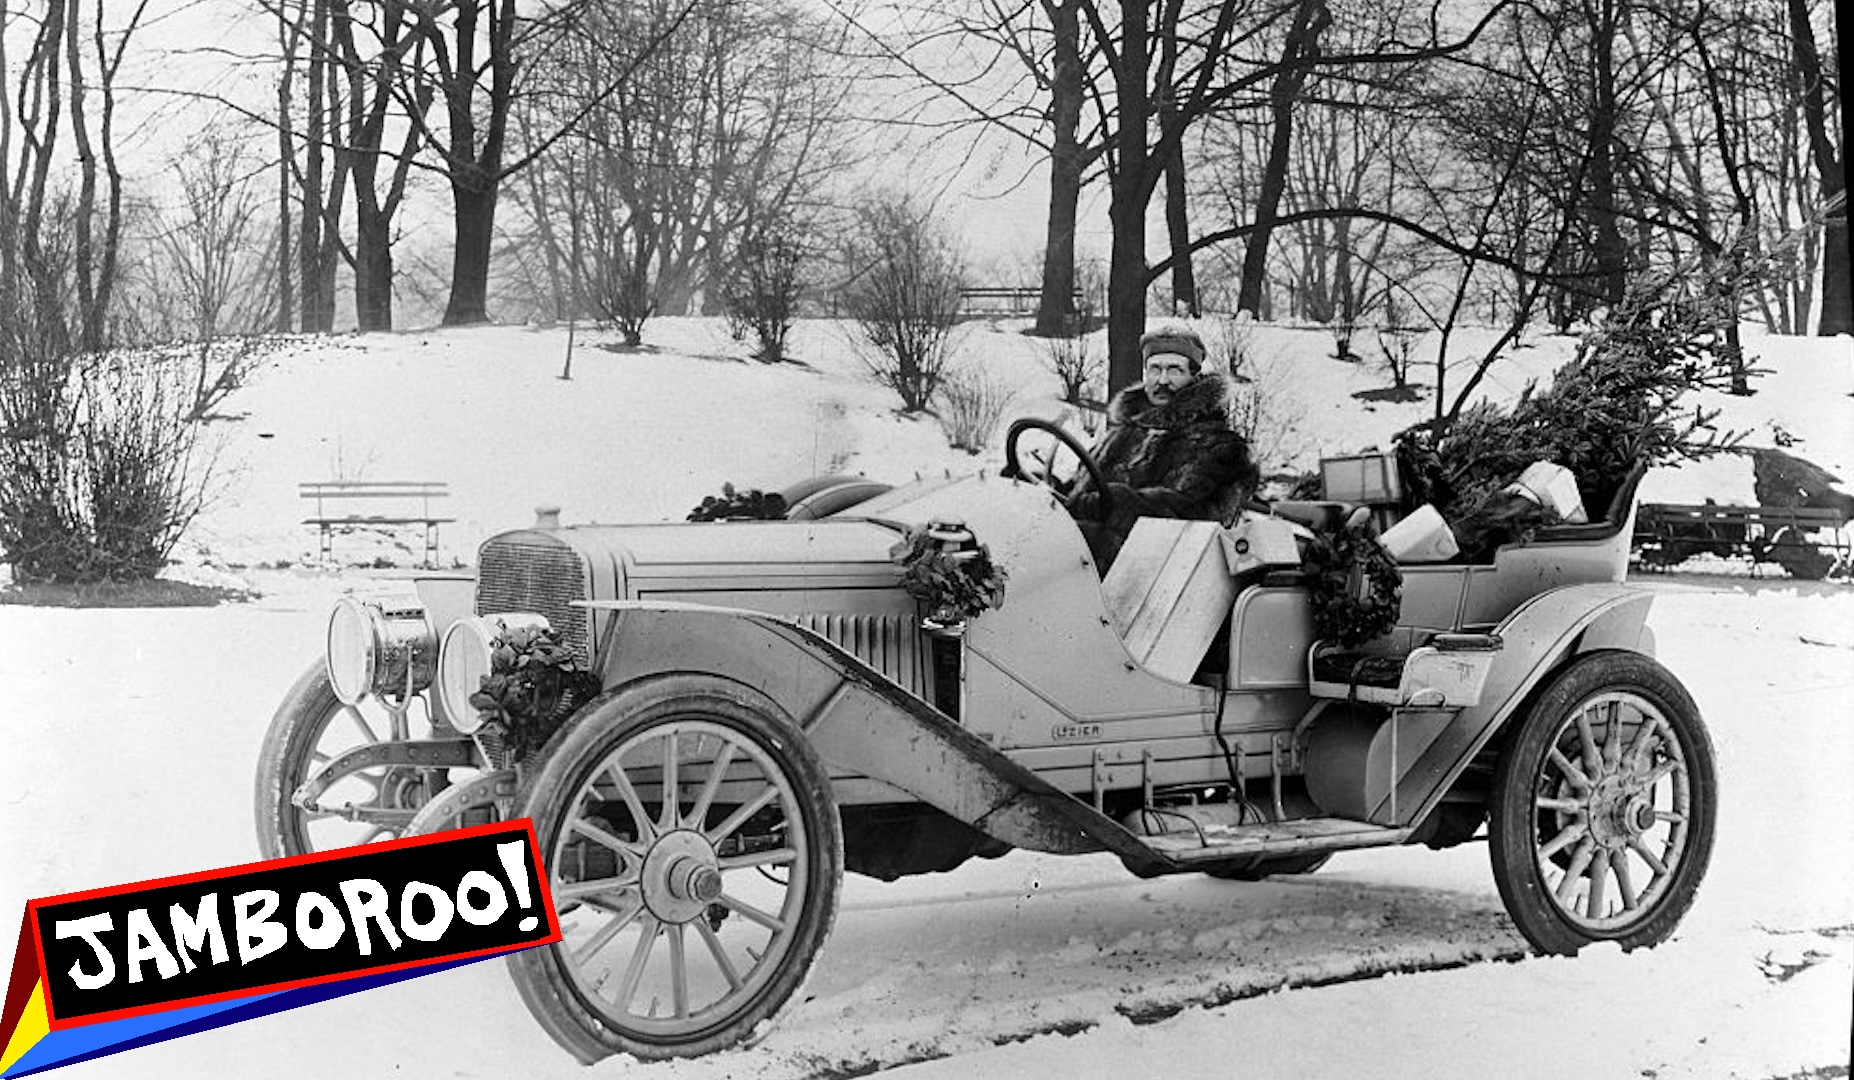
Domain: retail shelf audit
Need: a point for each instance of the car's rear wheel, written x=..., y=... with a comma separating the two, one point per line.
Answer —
x=313, y=727
x=687, y=920
x=1604, y=807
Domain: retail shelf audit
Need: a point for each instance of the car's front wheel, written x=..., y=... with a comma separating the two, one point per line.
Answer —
x=694, y=854
x=366, y=803
x=1604, y=807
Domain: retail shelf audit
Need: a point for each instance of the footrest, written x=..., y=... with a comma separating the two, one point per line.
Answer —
x=1219, y=843
x=1448, y=673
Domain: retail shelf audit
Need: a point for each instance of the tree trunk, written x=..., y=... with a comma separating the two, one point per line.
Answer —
x=90, y=315
x=1126, y=270
x=309, y=244
x=373, y=271
x=473, y=200
x=1837, y=303
x=1053, y=310
x=1178, y=221
x=1310, y=19
x=1611, y=254
x=286, y=298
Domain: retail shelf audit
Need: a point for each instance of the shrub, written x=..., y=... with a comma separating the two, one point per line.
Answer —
x=907, y=276
x=763, y=294
x=1073, y=361
x=627, y=301
x=1231, y=346
x=101, y=471
x=972, y=401
x=1265, y=415
x=1398, y=344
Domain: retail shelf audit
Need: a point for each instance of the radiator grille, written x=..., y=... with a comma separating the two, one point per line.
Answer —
x=891, y=644
x=542, y=576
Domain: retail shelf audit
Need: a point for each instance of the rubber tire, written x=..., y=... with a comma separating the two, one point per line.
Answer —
x=1280, y=864
x=287, y=744
x=1511, y=838
x=607, y=722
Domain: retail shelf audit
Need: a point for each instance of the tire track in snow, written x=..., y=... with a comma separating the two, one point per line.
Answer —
x=920, y=971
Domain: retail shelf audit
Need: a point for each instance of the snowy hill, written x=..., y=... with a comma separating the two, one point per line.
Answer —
x=135, y=732
x=645, y=434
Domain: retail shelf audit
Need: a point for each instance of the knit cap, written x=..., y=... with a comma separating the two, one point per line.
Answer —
x=1173, y=338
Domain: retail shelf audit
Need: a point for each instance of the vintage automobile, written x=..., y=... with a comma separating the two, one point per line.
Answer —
x=772, y=709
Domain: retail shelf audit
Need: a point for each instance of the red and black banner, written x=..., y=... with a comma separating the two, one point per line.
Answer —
x=91, y=958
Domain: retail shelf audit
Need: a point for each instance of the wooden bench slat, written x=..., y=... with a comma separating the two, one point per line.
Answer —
x=375, y=488
x=362, y=519
x=409, y=492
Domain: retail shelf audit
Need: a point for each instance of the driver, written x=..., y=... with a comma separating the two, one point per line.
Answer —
x=1168, y=450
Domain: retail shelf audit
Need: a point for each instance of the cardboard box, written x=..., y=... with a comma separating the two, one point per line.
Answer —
x=1368, y=479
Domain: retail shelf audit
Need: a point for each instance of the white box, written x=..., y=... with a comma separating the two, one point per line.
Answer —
x=1553, y=486
x=1169, y=592
x=1422, y=537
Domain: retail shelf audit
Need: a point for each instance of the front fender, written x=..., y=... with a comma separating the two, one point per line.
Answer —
x=860, y=722
x=1538, y=638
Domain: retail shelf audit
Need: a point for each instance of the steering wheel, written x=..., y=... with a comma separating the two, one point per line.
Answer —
x=1013, y=469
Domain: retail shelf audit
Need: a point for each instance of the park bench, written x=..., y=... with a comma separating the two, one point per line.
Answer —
x=1668, y=533
x=408, y=503
x=1015, y=300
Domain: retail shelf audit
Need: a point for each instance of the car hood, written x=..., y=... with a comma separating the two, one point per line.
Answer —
x=645, y=560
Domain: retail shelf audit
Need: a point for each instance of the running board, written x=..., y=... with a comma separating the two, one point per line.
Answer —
x=1216, y=843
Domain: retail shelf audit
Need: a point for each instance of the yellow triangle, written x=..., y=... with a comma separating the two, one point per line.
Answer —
x=34, y=1024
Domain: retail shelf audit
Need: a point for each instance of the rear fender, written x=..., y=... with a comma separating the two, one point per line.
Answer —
x=1538, y=638
x=860, y=722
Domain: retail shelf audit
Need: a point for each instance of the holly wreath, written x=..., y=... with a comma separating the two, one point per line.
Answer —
x=1357, y=587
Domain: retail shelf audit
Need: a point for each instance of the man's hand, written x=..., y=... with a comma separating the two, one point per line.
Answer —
x=1087, y=505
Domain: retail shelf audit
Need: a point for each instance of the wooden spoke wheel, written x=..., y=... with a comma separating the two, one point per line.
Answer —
x=694, y=854
x=1604, y=808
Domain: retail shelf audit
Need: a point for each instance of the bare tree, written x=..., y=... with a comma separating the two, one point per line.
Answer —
x=98, y=474
x=719, y=134
x=1021, y=69
x=903, y=293
x=210, y=280
x=1820, y=98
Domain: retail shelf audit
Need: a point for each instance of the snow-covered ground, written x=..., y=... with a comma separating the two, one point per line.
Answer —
x=132, y=737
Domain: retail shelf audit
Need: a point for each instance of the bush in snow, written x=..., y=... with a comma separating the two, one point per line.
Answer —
x=1073, y=362
x=972, y=401
x=101, y=470
x=763, y=294
x=906, y=277
x=1231, y=345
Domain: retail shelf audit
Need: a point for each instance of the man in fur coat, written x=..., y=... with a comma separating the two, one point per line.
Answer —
x=1168, y=450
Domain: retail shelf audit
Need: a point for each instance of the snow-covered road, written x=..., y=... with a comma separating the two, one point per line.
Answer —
x=131, y=738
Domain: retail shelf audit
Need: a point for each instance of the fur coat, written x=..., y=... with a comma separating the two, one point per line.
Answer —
x=1173, y=460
